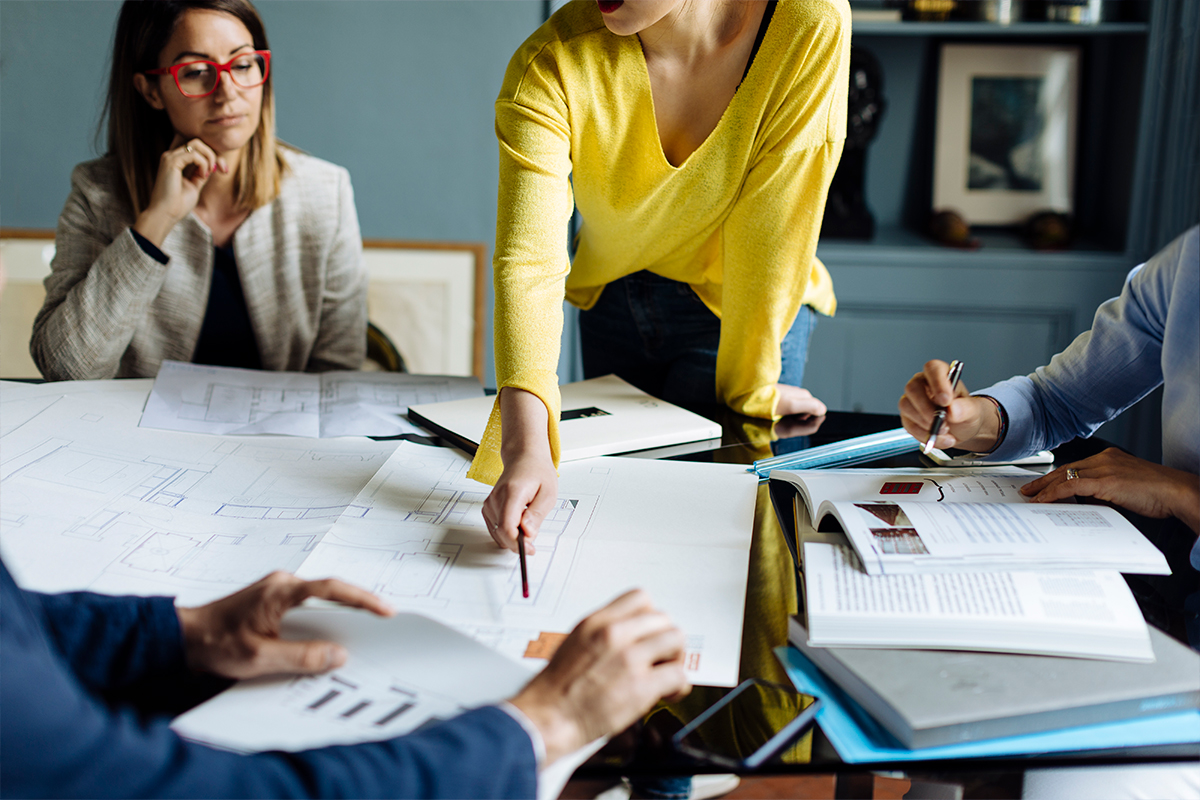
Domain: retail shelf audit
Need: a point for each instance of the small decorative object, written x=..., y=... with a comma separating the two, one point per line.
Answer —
x=846, y=212
x=1005, y=140
x=1048, y=230
x=929, y=10
x=949, y=228
x=1002, y=12
x=1080, y=12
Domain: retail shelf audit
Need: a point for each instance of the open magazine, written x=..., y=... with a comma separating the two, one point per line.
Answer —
x=906, y=521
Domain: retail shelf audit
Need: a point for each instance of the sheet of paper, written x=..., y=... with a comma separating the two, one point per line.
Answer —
x=88, y=500
x=21, y=402
x=959, y=485
x=894, y=536
x=374, y=403
x=402, y=673
x=679, y=530
x=859, y=739
x=226, y=400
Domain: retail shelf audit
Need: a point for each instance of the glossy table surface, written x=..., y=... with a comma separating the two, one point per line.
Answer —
x=1171, y=604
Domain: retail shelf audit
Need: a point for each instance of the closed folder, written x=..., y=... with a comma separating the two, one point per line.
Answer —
x=600, y=417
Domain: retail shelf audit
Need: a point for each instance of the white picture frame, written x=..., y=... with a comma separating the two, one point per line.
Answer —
x=1004, y=146
x=428, y=297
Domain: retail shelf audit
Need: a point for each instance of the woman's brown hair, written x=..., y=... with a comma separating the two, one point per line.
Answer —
x=138, y=134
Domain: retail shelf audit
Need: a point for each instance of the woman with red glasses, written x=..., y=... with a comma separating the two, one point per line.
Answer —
x=199, y=236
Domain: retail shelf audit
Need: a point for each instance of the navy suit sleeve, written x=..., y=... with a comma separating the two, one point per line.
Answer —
x=111, y=642
x=57, y=739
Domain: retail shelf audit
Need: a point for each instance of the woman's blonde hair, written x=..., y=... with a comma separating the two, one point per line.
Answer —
x=139, y=134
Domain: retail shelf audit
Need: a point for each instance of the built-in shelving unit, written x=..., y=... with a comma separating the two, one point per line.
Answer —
x=971, y=29
x=1004, y=307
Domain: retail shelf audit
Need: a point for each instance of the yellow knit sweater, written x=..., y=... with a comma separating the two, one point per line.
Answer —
x=738, y=221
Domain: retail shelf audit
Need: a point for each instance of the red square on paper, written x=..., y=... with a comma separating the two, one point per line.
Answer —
x=896, y=487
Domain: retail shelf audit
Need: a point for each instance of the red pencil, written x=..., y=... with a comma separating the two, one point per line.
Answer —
x=524, y=571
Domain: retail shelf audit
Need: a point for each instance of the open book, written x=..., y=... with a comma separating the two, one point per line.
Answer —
x=1081, y=613
x=906, y=521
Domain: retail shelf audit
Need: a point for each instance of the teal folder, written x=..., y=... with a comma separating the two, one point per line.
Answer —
x=846, y=453
x=859, y=739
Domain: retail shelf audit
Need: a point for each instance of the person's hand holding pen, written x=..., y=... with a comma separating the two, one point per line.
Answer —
x=971, y=423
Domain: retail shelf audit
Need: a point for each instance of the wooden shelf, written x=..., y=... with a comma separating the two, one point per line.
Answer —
x=900, y=247
x=992, y=29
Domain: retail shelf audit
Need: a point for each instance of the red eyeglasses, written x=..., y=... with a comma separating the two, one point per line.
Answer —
x=199, y=78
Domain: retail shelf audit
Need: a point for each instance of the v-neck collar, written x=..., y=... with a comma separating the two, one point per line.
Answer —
x=760, y=37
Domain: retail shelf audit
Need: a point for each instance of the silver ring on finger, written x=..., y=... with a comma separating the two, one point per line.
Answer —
x=189, y=149
x=1072, y=473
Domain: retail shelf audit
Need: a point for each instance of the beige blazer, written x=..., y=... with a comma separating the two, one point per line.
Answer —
x=113, y=311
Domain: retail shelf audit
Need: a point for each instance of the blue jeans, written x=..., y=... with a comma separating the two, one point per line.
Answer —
x=658, y=335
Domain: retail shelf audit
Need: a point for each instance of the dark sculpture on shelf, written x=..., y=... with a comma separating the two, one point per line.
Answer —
x=846, y=212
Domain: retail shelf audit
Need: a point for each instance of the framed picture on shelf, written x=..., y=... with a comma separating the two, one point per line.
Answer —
x=1005, y=140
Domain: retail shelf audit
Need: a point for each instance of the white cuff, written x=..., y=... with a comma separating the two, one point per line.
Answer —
x=535, y=736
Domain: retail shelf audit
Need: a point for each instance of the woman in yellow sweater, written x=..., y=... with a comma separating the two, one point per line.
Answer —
x=697, y=140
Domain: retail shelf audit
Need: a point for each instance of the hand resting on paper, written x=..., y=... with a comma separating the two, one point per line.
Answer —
x=972, y=423
x=1117, y=477
x=528, y=487
x=615, y=665
x=238, y=636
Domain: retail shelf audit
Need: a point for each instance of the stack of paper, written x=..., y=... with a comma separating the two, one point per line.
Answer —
x=90, y=500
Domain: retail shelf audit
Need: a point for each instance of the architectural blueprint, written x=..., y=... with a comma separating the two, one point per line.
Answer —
x=401, y=674
x=417, y=538
x=225, y=400
x=88, y=500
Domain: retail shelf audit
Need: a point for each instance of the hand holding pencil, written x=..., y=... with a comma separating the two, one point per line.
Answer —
x=966, y=422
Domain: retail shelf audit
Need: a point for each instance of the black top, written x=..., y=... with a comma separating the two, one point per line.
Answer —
x=758, y=37
x=226, y=335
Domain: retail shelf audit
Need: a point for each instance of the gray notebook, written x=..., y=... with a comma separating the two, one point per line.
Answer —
x=932, y=697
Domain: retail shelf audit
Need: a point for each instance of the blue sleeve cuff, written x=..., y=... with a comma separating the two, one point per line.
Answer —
x=149, y=248
x=1015, y=397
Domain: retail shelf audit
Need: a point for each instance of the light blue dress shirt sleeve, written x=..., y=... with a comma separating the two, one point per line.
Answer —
x=1147, y=337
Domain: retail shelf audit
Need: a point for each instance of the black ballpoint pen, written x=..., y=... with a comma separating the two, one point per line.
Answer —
x=939, y=418
x=524, y=570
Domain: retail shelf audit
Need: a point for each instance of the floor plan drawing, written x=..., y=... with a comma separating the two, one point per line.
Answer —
x=90, y=501
x=226, y=400
x=421, y=542
x=421, y=545
x=220, y=402
x=401, y=673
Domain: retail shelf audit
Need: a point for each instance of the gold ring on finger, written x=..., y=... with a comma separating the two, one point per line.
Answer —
x=1072, y=473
